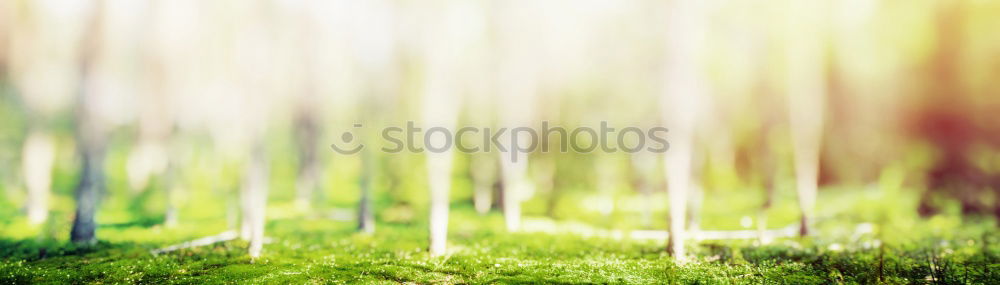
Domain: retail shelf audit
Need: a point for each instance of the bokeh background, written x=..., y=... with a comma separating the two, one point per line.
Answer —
x=180, y=97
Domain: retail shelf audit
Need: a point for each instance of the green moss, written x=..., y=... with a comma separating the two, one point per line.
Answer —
x=322, y=251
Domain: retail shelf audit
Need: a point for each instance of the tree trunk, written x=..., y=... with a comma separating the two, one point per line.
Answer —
x=307, y=137
x=88, y=194
x=254, y=197
x=484, y=172
x=366, y=214
x=170, y=185
x=38, y=157
x=684, y=86
x=518, y=81
x=806, y=91
x=439, y=112
x=90, y=136
x=514, y=184
x=439, y=175
x=768, y=167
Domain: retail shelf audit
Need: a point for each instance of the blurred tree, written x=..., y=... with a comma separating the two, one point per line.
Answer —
x=307, y=134
x=254, y=197
x=806, y=89
x=517, y=86
x=91, y=133
x=37, y=51
x=950, y=118
x=483, y=170
x=684, y=86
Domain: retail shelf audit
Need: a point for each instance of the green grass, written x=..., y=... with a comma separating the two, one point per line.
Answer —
x=898, y=248
x=323, y=251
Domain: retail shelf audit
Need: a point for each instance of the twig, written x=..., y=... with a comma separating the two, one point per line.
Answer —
x=225, y=236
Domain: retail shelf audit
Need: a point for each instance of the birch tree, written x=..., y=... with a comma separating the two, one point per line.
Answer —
x=41, y=60
x=299, y=72
x=91, y=132
x=242, y=82
x=684, y=85
x=373, y=43
x=447, y=43
x=484, y=172
x=151, y=154
x=806, y=91
x=439, y=111
x=517, y=87
x=483, y=167
x=258, y=89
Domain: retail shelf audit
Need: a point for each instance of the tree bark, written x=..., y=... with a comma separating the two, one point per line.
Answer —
x=88, y=194
x=90, y=136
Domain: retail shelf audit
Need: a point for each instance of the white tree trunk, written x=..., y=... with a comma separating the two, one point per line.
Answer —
x=446, y=46
x=484, y=172
x=517, y=84
x=439, y=176
x=806, y=92
x=440, y=110
x=38, y=156
x=439, y=166
x=172, y=188
x=254, y=196
x=366, y=214
x=517, y=100
x=148, y=158
x=684, y=87
x=515, y=187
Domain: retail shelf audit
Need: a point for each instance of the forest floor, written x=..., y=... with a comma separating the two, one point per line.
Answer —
x=302, y=250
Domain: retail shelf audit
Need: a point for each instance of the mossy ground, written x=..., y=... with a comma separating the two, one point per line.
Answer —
x=896, y=247
x=304, y=250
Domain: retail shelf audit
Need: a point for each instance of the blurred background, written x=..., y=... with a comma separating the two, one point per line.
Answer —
x=167, y=110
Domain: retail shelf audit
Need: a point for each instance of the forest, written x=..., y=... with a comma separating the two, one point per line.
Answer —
x=499, y=142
